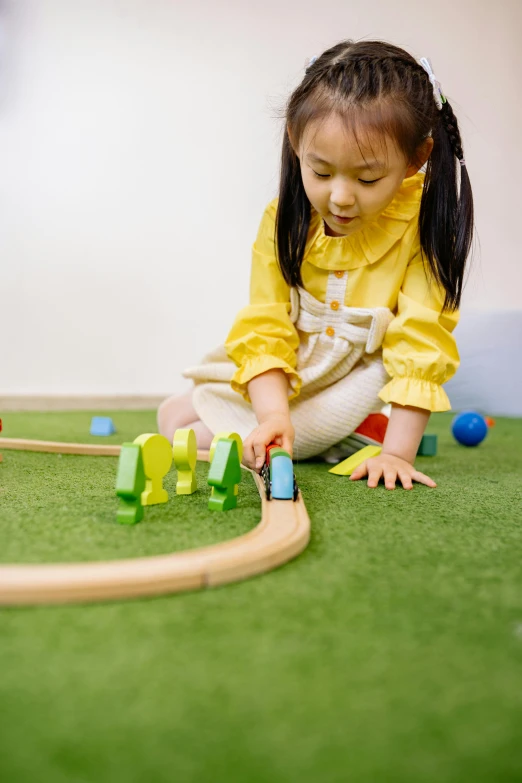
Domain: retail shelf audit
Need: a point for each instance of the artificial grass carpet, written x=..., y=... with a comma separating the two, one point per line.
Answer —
x=390, y=650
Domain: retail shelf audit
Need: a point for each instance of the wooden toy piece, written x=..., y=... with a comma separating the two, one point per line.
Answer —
x=185, y=452
x=56, y=447
x=157, y=459
x=102, y=425
x=427, y=446
x=347, y=467
x=130, y=483
x=220, y=436
x=213, y=445
x=224, y=474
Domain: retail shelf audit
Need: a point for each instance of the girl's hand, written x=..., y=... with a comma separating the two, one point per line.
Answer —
x=277, y=428
x=391, y=468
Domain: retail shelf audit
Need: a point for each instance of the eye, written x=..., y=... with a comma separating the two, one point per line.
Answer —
x=364, y=181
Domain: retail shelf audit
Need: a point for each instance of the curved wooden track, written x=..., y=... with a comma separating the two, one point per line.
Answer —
x=284, y=531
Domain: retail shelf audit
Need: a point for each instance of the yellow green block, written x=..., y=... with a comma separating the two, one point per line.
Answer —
x=185, y=450
x=347, y=467
x=157, y=460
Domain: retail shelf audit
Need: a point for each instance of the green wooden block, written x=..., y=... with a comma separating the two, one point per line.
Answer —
x=222, y=499
x=223, y=475
x=130, y=483
x=428, y=446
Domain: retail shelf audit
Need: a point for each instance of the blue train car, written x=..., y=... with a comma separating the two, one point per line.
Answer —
x=278, y=475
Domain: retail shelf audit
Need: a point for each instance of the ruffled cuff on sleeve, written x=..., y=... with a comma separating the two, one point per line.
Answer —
x=416, y=392
x=259, y=364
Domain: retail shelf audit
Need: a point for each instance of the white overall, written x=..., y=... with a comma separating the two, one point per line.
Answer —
x=339, y=360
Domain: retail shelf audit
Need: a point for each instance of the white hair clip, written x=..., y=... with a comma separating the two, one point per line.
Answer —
x=437, y=89
x=311, y=61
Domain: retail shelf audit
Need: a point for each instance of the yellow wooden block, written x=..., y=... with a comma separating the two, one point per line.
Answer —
x=220, y=435
x=185, y=450
x=157, y=459
x=347, y=467
x=213, y=445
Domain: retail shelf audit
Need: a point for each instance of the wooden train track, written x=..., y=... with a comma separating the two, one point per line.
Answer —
x=283, y=532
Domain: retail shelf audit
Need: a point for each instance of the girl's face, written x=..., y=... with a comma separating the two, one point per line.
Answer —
x=342, y=180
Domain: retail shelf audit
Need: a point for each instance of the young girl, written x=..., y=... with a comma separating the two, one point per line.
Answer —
x=357, y=272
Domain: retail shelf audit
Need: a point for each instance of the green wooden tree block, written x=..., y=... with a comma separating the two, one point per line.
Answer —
x=130, y=483
x=223, y=475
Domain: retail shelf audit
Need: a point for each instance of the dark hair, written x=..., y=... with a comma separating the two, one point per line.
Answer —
x=381, y=86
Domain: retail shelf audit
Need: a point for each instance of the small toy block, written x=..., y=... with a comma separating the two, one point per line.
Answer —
x=213, y=445
x=347, y=467
x=102, y=425
x=185, y=451
x=130, y=483
x=221, y=436
x=224, y=474
x=157, y=459
x=427, y=446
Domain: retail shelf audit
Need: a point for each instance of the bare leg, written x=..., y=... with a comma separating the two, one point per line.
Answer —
x=204, y=436
x=175, y=413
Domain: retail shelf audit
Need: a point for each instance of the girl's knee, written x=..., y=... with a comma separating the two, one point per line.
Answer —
x=174, y=412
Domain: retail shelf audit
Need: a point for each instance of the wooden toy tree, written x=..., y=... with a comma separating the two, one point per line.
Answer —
x=224, y=475
x=130, y=483
x=157, y=460
x=185, y=450
x=220, y=436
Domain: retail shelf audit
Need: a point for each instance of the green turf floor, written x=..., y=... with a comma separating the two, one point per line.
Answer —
x=390, y=650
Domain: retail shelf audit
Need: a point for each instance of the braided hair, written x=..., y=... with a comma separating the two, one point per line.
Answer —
x=375, y=83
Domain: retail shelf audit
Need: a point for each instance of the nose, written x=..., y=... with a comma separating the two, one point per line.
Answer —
x=342, y=196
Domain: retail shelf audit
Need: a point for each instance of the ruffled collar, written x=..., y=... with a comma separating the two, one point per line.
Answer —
x=373, y=240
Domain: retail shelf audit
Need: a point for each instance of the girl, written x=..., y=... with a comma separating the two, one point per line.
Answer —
x=357, y=272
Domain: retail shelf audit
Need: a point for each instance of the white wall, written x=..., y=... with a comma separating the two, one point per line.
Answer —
x=138, y=148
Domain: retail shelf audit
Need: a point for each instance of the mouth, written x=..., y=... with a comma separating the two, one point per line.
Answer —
x=342, y=220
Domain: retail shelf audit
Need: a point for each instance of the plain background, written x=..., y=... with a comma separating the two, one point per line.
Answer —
x=139, y=145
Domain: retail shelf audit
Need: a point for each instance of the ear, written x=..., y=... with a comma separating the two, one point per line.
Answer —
x=422, y=154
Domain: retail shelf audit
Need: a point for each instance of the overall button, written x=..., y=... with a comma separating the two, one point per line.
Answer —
x=334, y=305
x=339, y=273
x=330, y=332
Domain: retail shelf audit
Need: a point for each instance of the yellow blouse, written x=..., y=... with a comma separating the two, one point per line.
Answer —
x=385, y=269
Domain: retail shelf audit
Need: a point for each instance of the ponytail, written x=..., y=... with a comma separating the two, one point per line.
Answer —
x=446, y=215
x=292, y=217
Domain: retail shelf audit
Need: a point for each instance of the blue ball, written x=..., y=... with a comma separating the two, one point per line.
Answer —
x=469, y=428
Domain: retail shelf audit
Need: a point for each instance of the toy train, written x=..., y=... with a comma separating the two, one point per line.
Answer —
x=278, y=475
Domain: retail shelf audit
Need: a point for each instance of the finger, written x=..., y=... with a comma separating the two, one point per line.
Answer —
x=405, y=479
x=390, y=477
x=374, y=475
x=259, y=453
x=288, y=445
x=423, y=479
x=360, y=472
x=249, y=457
